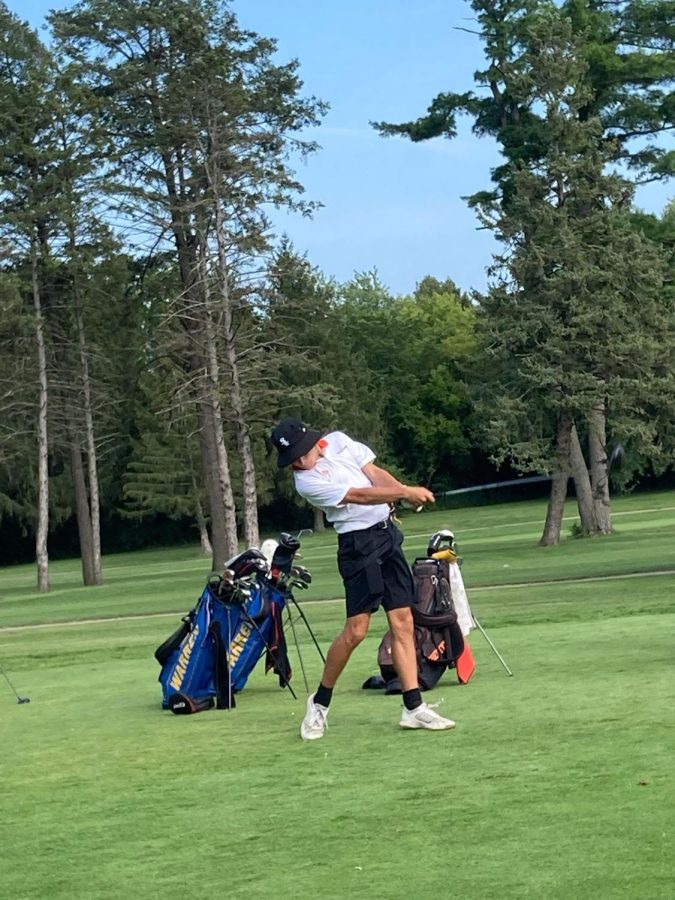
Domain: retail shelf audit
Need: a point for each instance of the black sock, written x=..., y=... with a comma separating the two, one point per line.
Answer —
x=412, y=699
x=323, y=696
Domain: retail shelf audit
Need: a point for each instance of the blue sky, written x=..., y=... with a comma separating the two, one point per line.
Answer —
x=388, y=204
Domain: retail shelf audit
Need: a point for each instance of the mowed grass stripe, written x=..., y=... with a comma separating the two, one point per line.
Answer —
x=312, y=603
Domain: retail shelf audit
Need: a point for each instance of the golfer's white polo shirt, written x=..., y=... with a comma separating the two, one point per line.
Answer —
x=326, y=484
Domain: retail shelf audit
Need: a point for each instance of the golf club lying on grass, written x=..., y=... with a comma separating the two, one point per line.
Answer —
x=18, y=698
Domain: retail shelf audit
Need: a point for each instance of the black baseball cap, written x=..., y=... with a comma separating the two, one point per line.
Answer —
x=292, y=440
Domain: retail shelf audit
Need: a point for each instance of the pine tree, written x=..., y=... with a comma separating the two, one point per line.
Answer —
x=202, y=119
x=578, y=297
x=623, y=53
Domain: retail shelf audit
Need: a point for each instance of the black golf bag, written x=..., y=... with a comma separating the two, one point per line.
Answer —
x=438, y=636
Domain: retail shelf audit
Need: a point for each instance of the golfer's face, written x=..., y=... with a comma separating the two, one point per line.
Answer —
x=309, y=460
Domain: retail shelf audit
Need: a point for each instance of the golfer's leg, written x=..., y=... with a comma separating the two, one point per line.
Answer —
x=356, y=628
x=403, y=647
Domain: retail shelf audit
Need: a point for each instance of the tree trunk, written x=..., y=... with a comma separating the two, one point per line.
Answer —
x=319, y=521
x=81, y=505
x=582, y=485
x=556, y=501
x=597, y=452
x=245, y=451
x=224, y=480
x=214, y=477
x=92, y=464
x=221, y=500
x=244, y=447
x=554, y=512
x=207, y=446
x=204, y=540
x=42, y=529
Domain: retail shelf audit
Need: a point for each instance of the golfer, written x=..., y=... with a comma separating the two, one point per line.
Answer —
x=338, y=475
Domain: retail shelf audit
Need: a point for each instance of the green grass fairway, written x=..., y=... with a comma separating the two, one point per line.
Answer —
x=556, y=783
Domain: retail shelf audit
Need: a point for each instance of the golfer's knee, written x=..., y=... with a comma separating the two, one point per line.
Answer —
x=354, y=632
x=401, y=624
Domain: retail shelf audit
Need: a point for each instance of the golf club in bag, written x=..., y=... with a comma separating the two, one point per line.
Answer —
x=19, y=699
x=237, y=620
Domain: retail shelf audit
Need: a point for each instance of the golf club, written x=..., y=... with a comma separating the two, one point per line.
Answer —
x=19, y=699
x=614, y=460
x=492, y=646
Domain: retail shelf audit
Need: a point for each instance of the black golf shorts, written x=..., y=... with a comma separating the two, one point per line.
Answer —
x=374, y=570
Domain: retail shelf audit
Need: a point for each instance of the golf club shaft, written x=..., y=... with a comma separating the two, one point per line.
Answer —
x=615, y=456
x=496, y=652
x=14, y=691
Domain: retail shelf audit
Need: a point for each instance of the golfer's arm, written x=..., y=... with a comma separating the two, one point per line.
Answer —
x=385, y=488
x=369, y=495
x=380, y=477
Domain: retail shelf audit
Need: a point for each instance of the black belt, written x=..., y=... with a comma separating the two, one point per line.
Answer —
x=378, y=526
x=383, y=524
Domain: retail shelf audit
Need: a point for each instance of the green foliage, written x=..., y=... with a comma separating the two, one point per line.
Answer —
x=194, y=107
x=627, y=48
x=416, y=347
x=16, y=401
x=578, y=292
x=577, y=296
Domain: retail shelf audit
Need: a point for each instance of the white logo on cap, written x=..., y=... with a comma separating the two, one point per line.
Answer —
x=284, y=442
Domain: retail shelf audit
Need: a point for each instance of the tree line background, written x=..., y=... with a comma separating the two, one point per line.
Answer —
x=154, y=328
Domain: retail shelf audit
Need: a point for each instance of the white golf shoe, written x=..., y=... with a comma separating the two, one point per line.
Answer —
x=425, y=716
x=315, y=722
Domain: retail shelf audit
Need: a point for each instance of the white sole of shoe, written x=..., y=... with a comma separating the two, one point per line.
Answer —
x=409, y=726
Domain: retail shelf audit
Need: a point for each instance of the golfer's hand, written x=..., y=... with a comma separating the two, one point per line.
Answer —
x=418, y=496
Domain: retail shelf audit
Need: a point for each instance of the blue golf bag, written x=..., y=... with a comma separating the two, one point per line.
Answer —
x=236, y=621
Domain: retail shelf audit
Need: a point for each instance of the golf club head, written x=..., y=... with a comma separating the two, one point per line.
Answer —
x=243, y=588
x=289, y=541
x=23, y=699
x=441, y=540
x=282, y=560
x=261, y=566
x=302, y=574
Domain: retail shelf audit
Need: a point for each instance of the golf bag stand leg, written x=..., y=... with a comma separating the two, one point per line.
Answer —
x=307, y=625
x=297, y=646
x=494, y=649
